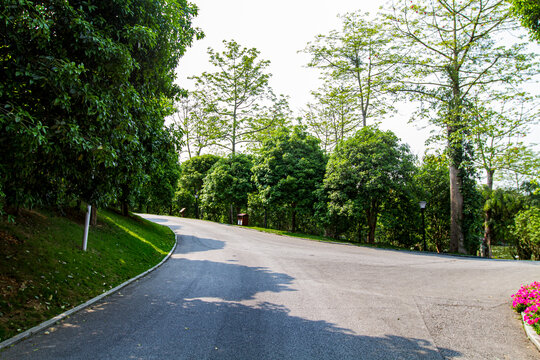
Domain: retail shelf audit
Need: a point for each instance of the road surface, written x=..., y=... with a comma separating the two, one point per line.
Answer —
x=235, y=293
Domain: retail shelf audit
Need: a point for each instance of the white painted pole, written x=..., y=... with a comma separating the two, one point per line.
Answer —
x=86, y=226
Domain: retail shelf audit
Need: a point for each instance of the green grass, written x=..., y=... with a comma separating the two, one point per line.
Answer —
x=326, y=238
x=499, y=252
x=44, y=272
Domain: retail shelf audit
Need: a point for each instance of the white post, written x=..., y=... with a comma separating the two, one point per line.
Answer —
x=86, y=226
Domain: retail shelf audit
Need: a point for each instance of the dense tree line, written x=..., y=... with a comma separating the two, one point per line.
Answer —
x=87, y=87
x=85, y=90
x=340, y=175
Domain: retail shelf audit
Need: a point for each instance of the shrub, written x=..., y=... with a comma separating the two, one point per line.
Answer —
x=527, y=233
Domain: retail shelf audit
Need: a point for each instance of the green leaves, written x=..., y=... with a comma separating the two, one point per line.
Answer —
x=359, y=58
x=363, y=172
x=528, y=11
x=236, y=98
x=288, y=169
x=87, y=82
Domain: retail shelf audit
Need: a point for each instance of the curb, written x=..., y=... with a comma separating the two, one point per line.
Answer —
x=531, y=333
x=15, y=339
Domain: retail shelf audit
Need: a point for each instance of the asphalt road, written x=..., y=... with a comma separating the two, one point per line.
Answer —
x=234, y=293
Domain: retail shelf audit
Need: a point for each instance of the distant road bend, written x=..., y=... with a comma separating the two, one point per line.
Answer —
x=234, y=293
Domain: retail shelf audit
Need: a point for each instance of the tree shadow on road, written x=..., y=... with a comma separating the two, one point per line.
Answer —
x=189, y=244
x=268, y=331
x=226, y=281
x=196, y=309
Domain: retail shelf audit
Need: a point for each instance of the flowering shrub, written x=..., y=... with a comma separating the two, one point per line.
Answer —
x=527, y=300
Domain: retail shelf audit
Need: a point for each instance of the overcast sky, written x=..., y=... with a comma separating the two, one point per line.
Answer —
x=279, y=29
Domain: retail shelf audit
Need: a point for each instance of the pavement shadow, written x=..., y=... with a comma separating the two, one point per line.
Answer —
x=198, y=329
x=189, y=244
x=225, y=281
x=268, y=331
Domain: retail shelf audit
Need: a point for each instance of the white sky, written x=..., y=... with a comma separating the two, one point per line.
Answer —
x=279, y=29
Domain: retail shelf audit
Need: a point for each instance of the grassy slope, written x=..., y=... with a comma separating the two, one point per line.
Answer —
x=43, y=272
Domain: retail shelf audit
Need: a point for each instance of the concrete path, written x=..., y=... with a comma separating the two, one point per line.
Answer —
x=234, y=293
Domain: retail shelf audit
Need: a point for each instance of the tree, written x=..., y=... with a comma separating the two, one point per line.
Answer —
x=498, y=128
x=450, y=56
x=226, y=187
x=527, y=232
x=359, y=55
x=199, y=126
x=287, y=171
x=237, y=94
x=334, y=116
x=363, y=172
x=84, y=83
x=528, y=11
x=194, y=170
x=434, y=182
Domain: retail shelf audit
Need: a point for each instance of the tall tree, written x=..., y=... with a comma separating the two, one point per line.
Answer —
x=237, y=93
x=199, y=125
x=359, y=54
x=450, y=56
x=499, y=127
x=362, y=174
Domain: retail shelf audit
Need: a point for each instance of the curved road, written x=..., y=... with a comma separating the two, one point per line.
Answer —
x=233, y=293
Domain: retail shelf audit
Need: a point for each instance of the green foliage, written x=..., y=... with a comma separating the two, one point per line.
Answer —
x=226, y=187
x=85, y=89
x=183, y=199
x=360, y=56
x=194, y=170
x=434, y=181
x=334, y=115
x=287, y=171
x=528, y=11
x=450, y=55
x=504, y=205
x=237, y=98
x=527, y=232
x=363, y=173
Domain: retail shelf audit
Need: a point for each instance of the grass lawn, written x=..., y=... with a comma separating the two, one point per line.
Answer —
x=499, y=252
x=326, y=238
x=44, y=272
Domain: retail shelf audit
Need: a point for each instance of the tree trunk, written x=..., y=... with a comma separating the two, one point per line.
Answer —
x=372, y=222
x=125, y=208
x=93, y=216
x=265, y=218
x=457, y=242
x=293, y=220
x=485, y=250
x=359, y=230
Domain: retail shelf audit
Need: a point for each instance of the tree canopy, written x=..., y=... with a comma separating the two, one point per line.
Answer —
x=85, y=92
x=362, y=174
x=287, y=171
x=528, y=12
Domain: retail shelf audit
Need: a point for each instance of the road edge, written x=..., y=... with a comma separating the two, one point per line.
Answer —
x=531, y=333
x=19, y=337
